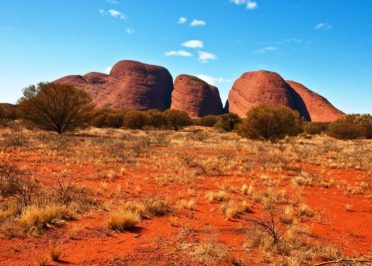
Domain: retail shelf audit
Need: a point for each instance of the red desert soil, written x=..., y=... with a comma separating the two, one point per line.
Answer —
x=156, y=240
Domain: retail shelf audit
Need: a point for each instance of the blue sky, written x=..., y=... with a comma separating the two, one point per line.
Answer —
x=324, y=44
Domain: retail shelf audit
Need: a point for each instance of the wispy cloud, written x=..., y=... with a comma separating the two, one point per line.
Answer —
x=182, y=20
x=290, y=41
x=204, y=57
x=181, y=53
x=249, y=4
x=198, y=23
x=266, y=49
x=111, y=1
x=129, y=30
x=213, y=80
x=113, y=13
x=323, y=26
x=193, y=44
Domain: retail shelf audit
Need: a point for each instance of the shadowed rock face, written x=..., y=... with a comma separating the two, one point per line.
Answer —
x=256, y=88
x=264, y=87
x=318, y=107
x=130, y=85
x=196, y=97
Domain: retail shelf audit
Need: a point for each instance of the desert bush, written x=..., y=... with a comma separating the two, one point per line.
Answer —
x=156, y=119
x=177, y=119
x=351, y=127
x=270, y=122
x=123, y=220
x=315, y=128
x=227, y=122
x=107, y=118
x=8, y=112
x=134, y=120
x=207, y=121
x=54, y=106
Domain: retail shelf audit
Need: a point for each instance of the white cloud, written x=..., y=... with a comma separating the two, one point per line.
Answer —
x=213, y=80
x=198, y=23
x=204, y=57
x=113, y=13
x=182, y=20
x=181, y=53
x=129, y=30
x=111, y=1
x=267, y=49
x=238, y=2
x=323, y=26
x=193, y=44
x=251, y=4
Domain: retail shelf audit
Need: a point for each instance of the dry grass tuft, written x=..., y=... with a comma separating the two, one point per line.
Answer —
x=123, y=220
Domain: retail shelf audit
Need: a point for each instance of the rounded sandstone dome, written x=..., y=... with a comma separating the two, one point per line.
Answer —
x=196, y=97
x=256, y=88
x=318, y=107
x=131, y=85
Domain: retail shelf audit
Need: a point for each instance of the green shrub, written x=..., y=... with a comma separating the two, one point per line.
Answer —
x=8, y=112
x=54, y=106
x=135, y=120
x=228, y=122
x=351, y=127
x=107, y=118
x=177, y=119
x=270, y=122
x=207, y=121
x=316, y=128
x=156, y=119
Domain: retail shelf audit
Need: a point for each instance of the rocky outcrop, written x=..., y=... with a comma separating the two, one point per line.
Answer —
x=264, y=87
x=196, y=97
x=130, y=85
x=318, y=107
x=256, y=88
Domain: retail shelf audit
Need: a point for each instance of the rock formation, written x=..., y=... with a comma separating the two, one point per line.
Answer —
x=130, y=85
x=259, y=87
x=318, y=107
x=264, y=87
x=196, y=97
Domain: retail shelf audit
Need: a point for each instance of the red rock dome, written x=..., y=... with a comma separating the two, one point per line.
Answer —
x=256, y=88
x=318, y=107
x=196, y=97
x=131, y=85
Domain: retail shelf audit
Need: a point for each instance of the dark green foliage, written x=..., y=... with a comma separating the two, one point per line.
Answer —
x=315, y=128
x=351, y=127
x=8, y=111
x=107, y=118
x=156, y=119
x=135, y=120
x=207, y=121
x=177, y=119
x=228, y=122
x=54, y=106
x=270, y=122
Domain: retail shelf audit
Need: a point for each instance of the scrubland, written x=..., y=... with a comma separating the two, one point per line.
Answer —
x=191, y=197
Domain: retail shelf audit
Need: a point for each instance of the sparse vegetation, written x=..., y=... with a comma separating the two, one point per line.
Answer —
x=270, y=122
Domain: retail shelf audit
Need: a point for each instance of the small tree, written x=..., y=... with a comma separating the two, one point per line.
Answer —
x=351, y=127
x=208, y=121
x=106, y=118
x=270, y=122
x=54, y=106
x=315, y=128
x=134, y=120
x=8, y=111
x=228, y=122
x=177, y=119
x=156, y=119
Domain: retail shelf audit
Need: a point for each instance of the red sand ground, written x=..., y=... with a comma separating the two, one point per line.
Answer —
x=152, y=243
